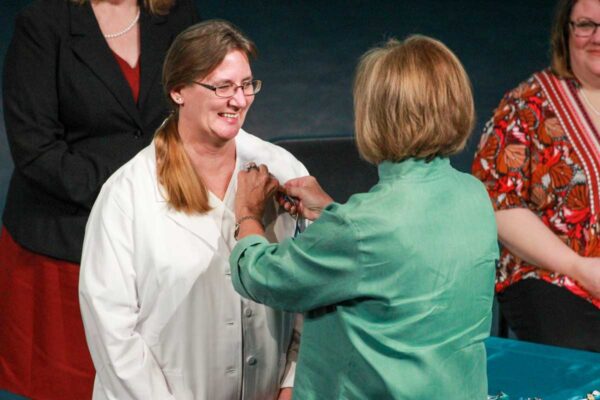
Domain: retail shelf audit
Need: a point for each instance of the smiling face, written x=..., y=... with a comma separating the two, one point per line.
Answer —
x=585, y=51
x=210, y=119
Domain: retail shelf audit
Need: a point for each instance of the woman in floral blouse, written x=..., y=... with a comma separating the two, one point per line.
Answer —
x=539, y=158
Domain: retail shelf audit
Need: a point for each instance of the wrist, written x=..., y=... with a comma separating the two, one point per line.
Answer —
x=245, y=220
x=575, y=267
x=241, y=212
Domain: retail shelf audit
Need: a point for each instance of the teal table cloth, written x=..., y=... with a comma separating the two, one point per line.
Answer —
x=525, y=370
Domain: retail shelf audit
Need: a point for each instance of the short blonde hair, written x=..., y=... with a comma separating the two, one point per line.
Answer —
x=411, y=99
x=193, y=55
x=560, y=56
x=158, y=7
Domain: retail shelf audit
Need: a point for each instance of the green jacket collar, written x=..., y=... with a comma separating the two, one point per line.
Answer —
x=413, y=168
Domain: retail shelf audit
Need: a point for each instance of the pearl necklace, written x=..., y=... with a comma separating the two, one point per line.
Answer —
x=127, y=28
x=589, y=103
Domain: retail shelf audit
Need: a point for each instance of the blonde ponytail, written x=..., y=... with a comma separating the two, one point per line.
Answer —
x=184, y=189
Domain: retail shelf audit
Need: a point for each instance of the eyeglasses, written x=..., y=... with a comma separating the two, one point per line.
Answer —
x=583, y=28
x=249, y=88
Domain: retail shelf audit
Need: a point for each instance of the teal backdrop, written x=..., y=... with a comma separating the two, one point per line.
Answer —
x=309, y=49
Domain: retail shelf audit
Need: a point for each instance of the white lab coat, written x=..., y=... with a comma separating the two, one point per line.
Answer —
x=161, y=317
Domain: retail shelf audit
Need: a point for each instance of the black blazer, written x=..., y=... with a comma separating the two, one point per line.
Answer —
x=71, y=119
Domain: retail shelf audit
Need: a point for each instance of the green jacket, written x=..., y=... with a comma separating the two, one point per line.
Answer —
x=396, y=286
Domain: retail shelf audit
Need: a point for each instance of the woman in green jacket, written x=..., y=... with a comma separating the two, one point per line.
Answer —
x=396, y=285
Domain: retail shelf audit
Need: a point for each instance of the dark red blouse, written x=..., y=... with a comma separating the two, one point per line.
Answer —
x=132, y=75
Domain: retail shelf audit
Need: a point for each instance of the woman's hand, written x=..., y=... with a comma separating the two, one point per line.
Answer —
x=254, y=187
x=526, y=236
x=311, y=199
x=587, y=272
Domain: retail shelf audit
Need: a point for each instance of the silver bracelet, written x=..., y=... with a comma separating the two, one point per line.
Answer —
x=236, y=230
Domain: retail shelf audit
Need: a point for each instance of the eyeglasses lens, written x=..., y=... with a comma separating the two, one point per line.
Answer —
x=584, y=29
x=248, y=88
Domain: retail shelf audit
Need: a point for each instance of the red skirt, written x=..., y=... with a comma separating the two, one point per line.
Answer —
x=43, y=352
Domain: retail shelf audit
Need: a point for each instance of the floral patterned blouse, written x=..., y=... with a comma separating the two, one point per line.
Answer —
x=540, y=151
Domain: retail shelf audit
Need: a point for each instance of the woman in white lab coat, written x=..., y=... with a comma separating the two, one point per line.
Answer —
x=161, y=317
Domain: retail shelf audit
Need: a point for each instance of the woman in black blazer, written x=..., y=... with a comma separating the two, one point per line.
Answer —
x=82, y=95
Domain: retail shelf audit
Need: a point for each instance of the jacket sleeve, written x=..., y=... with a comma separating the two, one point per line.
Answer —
x=109, y=305
x=35, y=133
x=319, y=268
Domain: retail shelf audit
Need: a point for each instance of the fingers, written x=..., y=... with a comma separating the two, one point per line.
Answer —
x=263, y=170
x=294, y=191
x=288, y=203
x=272, y=184
x=259, y=176
x=251, y=169
x=299, y=182
x=254, y=187
x=250, y=166
x=290, y=208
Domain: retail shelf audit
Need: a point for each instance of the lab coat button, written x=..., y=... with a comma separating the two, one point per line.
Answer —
x=248, y=312
x=251, y=360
